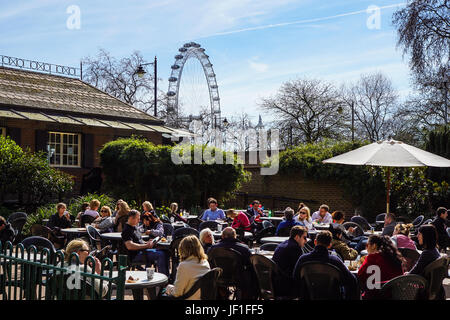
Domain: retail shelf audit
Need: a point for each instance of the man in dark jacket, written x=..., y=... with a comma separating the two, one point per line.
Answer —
x=6, y=232
x=230, y=241
x=389, y=225
x=285, y=256
x=441, y=224
x=320, y=254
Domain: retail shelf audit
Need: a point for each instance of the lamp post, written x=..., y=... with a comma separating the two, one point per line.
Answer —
x=140, y=72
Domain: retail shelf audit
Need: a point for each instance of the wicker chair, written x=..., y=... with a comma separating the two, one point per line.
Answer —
x=407, y=287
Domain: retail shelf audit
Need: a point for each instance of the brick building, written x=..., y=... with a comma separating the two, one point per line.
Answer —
x=69, y=119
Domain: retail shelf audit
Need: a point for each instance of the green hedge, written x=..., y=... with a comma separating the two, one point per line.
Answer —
x=136, y=169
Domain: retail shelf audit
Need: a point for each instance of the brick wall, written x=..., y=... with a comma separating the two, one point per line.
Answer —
x=271, y=188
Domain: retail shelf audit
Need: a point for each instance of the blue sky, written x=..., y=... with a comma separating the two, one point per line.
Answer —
x=323, y=39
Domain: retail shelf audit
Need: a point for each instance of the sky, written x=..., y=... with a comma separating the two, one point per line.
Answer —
x=254, y=46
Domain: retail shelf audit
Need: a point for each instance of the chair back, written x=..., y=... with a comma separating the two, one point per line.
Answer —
x=380, y=217
x=177, y=236
x=40, y=230
x=284, y=232
x=94, y=236
x=16, y=215
x=320, y=281
x=270, y=246
x=39, y=243
x=267, y=224
x=164, y=219
x=359, y=231
x=428, y=221
x=418, y=221
x=85, y=218
x=207, y=284
x=208, y=224
x=267, y=232
x=194, y=223
x=407, y=287
x=411, y=256
x=361, y=221
x=183, y=232
x=266, y=271
x=168, y=229
x=435, y=273
x=230, y=261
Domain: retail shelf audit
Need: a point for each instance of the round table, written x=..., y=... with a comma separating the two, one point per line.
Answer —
x=218, y=234
x=321, y=226
x=272, y=218
x=117, y=236
x=74, y=231
x=368, y=233
x=274, y=239
x=159, y=280
x=266, y=253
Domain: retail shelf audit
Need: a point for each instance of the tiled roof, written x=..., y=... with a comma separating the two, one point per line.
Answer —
x=66, y=95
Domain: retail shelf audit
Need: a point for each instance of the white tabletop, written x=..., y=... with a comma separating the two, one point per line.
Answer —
x=369, y=233
x=266, y=253
x=272, y=218
x=159, y=280
x=274, y=239
x=218, y=234
x=117, y=236
x=321, y=226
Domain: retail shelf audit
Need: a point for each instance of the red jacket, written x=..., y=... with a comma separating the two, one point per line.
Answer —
x=388, y=271
x=241, y=221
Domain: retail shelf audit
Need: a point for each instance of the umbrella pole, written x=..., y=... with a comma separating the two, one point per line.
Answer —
x=388, y=189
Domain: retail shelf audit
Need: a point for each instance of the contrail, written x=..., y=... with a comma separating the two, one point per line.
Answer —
x=268, y=26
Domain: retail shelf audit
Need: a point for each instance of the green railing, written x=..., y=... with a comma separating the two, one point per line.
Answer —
x=40, y=275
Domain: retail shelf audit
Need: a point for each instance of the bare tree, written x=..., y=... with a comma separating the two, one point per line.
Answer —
x=308, y=106
x=375, y=101
x=423, y=29
x=119, y=78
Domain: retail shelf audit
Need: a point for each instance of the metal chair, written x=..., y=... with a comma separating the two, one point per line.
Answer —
x=411, y=256
x=164, y=219
x=208, y=224
x=266, y=271
x=39, y=243
x=194, y=223
x=270, y=246
x=17, y=221
x=40, y=230
x=407, y=287
x=15, y=216
x=380, y=217
x=267, y=232
x=359, y=231
x=267, y=224
x=362, y=222
x=379, y=221
x=168, y=229
x=230, y=261
x=207, y=284
x=94, y=236
x=435, y=273
x=319, y=281
x=428, y=221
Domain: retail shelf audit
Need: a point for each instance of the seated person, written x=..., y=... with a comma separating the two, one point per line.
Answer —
x=322, y=216
x=288, y=221
x=138, y=249
x=304, y=217
x=285, y=256
x=81, y=248
x=151, y=225
x=322, y=255
x=385, y=256
x=61, y=219
x=401, y=237
x=427, y=237
x=229, y=240
x=84, y=207
x=105, y=223
x=339, y=245
x=6, y=232
x=116, y=208
x=240, y=220
x=193, y=265
x=121, y=217
x=148, y=207
x=174, y=213
x=213, y=213
x=441, y=223
x=389, y=225
x=206, y=239
x=93, y=207
x=254, y=211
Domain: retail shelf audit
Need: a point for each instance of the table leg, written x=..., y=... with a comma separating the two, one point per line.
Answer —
x=138, y=294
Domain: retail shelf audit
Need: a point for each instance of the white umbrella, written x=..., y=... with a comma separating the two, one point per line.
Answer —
x=390, y=154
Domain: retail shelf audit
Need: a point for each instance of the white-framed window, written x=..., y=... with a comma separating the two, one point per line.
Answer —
x=64, y=149
x=3, y=131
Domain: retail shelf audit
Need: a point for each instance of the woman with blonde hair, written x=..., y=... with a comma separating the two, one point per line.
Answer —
x=81, y=248
x=121, y=216
x=173, y=213
x=105, y=222
x=206, y=238
x=304, y=217
x=401, y=237
x=194, y=264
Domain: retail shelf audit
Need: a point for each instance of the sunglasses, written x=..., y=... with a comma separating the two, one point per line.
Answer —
x=301, y=212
